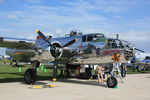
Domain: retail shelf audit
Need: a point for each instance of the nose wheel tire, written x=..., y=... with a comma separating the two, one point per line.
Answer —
x=112, y=82
x=30, y=76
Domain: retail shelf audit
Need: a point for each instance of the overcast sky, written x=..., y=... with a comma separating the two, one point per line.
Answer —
x=129, y=18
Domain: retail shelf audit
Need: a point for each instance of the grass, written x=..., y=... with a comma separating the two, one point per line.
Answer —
x=13, y=74
x=8, y=73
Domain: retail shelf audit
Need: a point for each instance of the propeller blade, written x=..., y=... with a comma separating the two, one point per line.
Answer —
x=43, y=36
x=70, y=43
x=139, y=50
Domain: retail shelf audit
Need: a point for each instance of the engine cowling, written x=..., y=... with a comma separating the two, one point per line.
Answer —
x=128, y=54
x=56, y=51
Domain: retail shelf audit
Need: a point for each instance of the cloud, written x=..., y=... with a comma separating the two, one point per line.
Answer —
x=51, y=19
x=34, y=1
x=12, y=16
x=108, y=6
x=119, y=6
x=134, y=35
x=141, y=23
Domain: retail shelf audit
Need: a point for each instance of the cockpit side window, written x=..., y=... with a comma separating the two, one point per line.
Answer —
x=87, y=38
x=84, y=39
x=90, y=38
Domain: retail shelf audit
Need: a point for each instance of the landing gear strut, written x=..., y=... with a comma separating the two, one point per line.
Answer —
x=55, y=66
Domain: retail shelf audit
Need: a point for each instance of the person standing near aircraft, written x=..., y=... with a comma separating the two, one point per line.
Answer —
x=78, y=71
x=100, y=71
x=123, y=70
x=89, y=73
x=116, y=64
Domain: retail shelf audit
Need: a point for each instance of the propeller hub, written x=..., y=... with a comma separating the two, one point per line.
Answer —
x=56, y=50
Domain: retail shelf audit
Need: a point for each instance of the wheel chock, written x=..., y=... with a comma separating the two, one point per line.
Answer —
x=104, y=80
x=97, y=81
x=100, y=81
x=37, y=87
x=54, y=79
x=51, y=85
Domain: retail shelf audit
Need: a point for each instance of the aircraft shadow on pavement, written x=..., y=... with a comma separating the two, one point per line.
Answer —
x=41, y=79
x=92, y=83
x=20, y=78
x=8, y=80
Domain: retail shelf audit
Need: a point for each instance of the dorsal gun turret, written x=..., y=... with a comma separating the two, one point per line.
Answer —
x=75, y=33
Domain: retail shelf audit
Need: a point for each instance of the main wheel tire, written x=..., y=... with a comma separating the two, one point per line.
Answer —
x=112, y=82
x=30, y=76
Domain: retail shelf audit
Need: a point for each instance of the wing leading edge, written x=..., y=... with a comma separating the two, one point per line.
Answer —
x=17, y=43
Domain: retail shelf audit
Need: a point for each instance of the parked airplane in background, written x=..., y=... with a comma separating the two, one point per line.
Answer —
x=141, y=61
x=74, y=50
x=141, y=56
x=5, y=57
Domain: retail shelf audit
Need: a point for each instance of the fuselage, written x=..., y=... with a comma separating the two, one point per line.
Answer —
x=88, y=49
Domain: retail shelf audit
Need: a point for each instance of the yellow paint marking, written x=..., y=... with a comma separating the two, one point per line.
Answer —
x=37, y=30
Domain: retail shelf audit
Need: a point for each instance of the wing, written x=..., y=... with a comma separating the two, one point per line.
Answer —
x=17, y=43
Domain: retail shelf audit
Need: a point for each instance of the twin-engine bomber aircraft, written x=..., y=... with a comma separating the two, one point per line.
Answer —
x=74, y=50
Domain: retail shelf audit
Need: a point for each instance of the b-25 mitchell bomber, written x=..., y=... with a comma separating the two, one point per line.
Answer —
x=73, y=51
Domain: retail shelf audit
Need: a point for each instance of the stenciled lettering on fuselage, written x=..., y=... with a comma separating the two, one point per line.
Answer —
x=110, y=51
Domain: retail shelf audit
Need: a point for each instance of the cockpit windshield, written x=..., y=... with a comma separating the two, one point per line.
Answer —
x=99, y=37
x=96, y=37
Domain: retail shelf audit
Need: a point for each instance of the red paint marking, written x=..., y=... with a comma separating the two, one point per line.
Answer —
x=110, y=51
x=38, y=37
x=80, y=46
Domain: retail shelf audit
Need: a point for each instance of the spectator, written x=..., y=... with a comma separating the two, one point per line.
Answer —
x=100, y=72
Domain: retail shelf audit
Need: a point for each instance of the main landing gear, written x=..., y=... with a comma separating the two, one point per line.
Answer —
x=30, y=74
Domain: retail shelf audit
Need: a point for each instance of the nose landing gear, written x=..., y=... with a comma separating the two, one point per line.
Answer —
x=111, y=82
